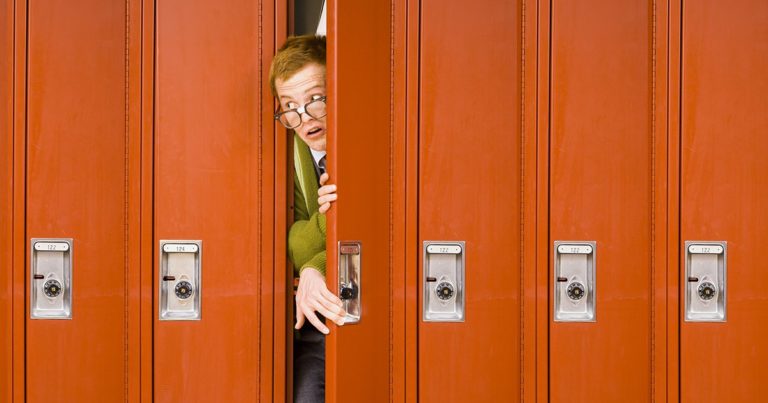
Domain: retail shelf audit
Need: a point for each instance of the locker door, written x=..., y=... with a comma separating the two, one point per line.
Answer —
x=76, y=187
x=605, y=144
x=6, y=200
x=358, y=355
x=476, y=163
x=724, y=191
x=213, y=158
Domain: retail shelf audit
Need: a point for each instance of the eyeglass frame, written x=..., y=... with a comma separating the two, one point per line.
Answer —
x=300, y=110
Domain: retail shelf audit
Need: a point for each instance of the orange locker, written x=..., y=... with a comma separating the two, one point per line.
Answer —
x=7, y=121
x=723, y=182
x=213, y=202
x=131, y=126
x=476, y=162
x=603, y=156
x=75, y=187
x=606, y=154
x=360, y=161
x=414, y=120
x=552, y=199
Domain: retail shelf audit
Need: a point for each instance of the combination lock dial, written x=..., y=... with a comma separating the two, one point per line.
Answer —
x=444, y=291
x=707, y=291
x=52, y=288
x=348, y=291
x=575, y=291
x=183, y=289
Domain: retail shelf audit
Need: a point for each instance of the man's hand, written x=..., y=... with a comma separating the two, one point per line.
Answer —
x=313, y=296
x=326, y=194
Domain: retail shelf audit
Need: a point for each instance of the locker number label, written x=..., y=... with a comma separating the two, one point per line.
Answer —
x=575, y=249
x=445, y=249
x=712, y=249
x=180, y=248
x=52, y=246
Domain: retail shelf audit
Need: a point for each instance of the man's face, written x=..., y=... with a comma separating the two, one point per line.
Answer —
x=304, y=86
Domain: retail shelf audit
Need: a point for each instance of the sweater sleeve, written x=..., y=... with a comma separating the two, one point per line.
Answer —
x=306, y=238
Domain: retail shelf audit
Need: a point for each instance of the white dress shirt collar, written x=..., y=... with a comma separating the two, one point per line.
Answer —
x=317, y=156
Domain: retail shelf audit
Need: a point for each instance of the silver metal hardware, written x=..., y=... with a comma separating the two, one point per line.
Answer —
x=443, y=281
x=180, y=280
x=707, y=291
x=52, y=288
x=575, y=291
x=350, y=254
x=705, y=266
x=444, y=290
x=51, y=278
x=183, y=290
x=575, y=281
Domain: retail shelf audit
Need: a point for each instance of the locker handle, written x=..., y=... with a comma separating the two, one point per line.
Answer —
x=443, y=274
x=50, y=292
x=349, y=280
x=574, y=281
x=179, y=278
x=705, y=270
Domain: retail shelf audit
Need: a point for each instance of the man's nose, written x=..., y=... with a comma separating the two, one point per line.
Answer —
x=305, y=117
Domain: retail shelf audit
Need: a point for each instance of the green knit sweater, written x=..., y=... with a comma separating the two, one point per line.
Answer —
x=306, y=238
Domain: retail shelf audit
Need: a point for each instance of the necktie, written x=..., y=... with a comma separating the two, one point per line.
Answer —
x=321, y=165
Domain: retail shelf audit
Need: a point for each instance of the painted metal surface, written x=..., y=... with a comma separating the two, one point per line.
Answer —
x=724, y=190
x=7, y=26
x=76, y=163
x=602, y=181
x=470, y=183
x=96, y=144
x=208, y=148
x=358, y=357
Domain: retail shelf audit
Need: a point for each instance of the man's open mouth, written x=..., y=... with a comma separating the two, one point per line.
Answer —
x=314, y=131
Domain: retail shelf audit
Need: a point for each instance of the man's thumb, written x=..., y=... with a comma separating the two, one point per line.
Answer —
x=299, y=318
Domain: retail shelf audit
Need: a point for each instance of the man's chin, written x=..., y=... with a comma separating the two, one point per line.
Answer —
x=317, y=144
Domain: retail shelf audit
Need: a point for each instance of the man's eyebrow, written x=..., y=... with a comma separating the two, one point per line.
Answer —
x=318, y=86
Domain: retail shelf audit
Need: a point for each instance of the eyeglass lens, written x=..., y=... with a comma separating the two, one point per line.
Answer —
x=292, y=119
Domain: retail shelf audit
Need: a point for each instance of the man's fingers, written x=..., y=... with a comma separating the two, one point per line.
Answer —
x=333, y=307
x=324, y=208
x=330, y=309
x=327, y=198
x=330, y=305
x=315, y=321
x=326, y=195
x=332, y=297
x=326, y=190
x=330, y=314
x=299, y=317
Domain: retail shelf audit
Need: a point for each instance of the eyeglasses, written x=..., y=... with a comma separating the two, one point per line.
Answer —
x=291, y=118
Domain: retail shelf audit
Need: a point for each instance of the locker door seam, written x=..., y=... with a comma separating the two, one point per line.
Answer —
x=126, y=185
x=521, y=291
x=259, y=196
x=549, y=296
x=418, y=193
x=653, y=207
x=391, y=195
x=680, y=202
x=26, y=189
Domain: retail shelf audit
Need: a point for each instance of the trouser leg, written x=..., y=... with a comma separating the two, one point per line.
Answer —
x=309, y=366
